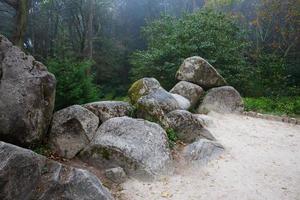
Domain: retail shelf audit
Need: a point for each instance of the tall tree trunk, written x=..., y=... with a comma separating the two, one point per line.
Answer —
x=194, y=5
x=88, y=47
x=21, y=7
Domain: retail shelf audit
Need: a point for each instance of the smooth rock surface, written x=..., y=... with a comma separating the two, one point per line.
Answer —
x=141, y=88
x=184, y=103
x=25, y=175
x=156, y=105
x=117, y=175
x=187, y=126
x=72, y=130
x=202, y=151
x=222, y=100
x=27, y=94
x=197, y=70
x=188, y=90
x=138, y=146
x=106, y=110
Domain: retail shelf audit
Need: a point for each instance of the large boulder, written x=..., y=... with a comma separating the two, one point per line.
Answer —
x=106, y=110
x=188, y=90
x=27, y=93
x=138, y=146
x=223, y=100
x=187, y=126
x=25, y=175
x=141, y=88
x=72, y=130
x=199, y=71
x=184, y=103
x=156, y=105
x=202, y=151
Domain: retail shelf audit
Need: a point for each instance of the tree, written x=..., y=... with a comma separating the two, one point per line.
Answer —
x=211, y=35
x=22, y=8
x=73, y=86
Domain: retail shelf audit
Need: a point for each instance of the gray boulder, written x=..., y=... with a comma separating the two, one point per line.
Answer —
x=72, y=130
x=184, y=103
x=141, y=88
x=199, y=71
x=205, y=120
x=106, y=110
x=188, y=90
x=27, y=93
x=116, y=175
x=154, y=106
x=223, y=100
x=138, y=146
x=202, y=151
x=187, y=126
x=25, y=175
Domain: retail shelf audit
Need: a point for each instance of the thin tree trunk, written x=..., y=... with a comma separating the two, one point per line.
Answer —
x=21, y=23
x=21, y=7
x=88, y=47
x=194, y=5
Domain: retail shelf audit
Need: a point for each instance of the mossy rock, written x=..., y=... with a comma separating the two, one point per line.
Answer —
x=141, y=88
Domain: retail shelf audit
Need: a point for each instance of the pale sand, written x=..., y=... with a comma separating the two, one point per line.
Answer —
x=261, y=162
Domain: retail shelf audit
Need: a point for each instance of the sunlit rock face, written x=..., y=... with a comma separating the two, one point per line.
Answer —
x=141, y=88
x=188, y=90
x=202, y=151
x=138, y=146
x=197, y=70
x=27, y=94
x=223, y=100
x=72, y=129
x=106, y=110
x=187, y=126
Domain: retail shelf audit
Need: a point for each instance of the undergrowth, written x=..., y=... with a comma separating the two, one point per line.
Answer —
x=172, y=137
x=278, y=105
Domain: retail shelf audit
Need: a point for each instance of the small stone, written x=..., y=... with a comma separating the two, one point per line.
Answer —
x=117, y=175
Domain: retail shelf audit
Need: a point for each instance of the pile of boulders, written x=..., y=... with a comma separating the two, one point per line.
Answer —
x=122, y=139
x=27, y=95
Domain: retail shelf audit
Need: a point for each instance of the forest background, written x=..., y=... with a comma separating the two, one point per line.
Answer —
x=97, y=48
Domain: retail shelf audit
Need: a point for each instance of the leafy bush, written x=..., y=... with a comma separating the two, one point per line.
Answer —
x=43, y=149
x=74, y=86
x=279, y=105
x=172, y=137
x=213, y=36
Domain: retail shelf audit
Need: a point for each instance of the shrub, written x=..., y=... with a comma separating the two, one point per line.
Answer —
x=172, y=137
x=213, y=36
x=276, y=105
x=74, y=86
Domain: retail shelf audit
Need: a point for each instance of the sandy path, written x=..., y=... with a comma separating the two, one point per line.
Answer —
x=262, y=161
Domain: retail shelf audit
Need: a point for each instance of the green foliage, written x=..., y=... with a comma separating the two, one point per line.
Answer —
x=213, y=36
x=172, y=137
x=268, y=77
x=74, y=86
x=43, y=149
x=279, y=105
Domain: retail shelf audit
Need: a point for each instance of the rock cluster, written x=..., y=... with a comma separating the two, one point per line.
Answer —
x=138, y=146
x=123, y=139
x=25, y=175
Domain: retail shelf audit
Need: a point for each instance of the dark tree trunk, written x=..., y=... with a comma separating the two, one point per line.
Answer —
x=21, y=7
x=88, y=47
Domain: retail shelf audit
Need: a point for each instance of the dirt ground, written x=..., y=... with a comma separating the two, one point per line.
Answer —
x=261, y=162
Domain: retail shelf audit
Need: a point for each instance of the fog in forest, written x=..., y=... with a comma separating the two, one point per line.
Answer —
x=97, y=48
